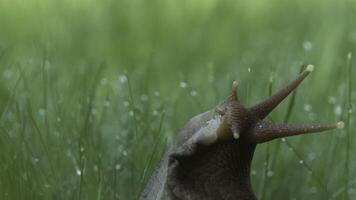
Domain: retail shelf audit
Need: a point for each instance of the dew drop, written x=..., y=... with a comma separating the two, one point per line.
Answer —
x=270, y=173
x=338, y=110
x=144, y=97
x=107, y=104
x=311, y=156
x=301, y=162
x=117, y=167
x=124, y=153
x=94, y=111
x=283, y=139
x=122, y=78
x=131, y=113
x=307, y=45
x=104, y=81
x=193, y=93
x=307, y=107
x=156, y=93
x=8, y=74
x=332, y=100
x=126, y=103
x=155, y=113
x=78, y=172
x=42, y=112
x=183, y=84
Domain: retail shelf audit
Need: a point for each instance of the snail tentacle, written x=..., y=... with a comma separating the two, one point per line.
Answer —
x=261, y=110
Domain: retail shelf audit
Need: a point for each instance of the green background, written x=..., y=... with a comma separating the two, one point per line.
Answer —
x=93, y=92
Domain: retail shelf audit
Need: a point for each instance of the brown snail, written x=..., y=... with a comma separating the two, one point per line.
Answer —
x=212, y=155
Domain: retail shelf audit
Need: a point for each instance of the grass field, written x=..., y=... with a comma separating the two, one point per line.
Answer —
x=93, y=92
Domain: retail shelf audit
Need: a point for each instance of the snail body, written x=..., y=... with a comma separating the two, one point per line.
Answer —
x=211, y=157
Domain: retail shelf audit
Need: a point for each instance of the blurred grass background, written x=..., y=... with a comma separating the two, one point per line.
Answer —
x=93, y=92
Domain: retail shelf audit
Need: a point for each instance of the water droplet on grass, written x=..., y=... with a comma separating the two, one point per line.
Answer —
x=122, y=78
x=144, y=97
x=42, y=112
x=338, y=110
x=107, y=103
x=183, y=84
x=307, y=107
x=103, y=81
x=253, y=172
x=117, y=167
x=307, y=45
x=156, y=93
x=332, y=100
x=270, y=173
x=193, y=93
x=126, y=103
x=78, y=172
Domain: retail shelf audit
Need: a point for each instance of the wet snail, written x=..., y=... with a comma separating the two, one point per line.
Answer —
x=211, y=157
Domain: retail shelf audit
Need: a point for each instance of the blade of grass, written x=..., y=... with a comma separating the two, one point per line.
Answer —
x=348, y=121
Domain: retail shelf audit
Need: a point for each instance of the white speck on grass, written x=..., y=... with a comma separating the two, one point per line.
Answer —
x=311, y=156
x=249, y=70
x=47, y=185
x=283, y=139
x=117, y=167
x=94, y=111
x=307, y=45
x=131, y=113
x=183, y=84
x=59, y=119
x=301, y=162
x=48, y=65
x=349, y=56
x=107, y=103
x=10, y=116
x=332, y=100
x=82, y=149
x=307, y=107
x=313, y=190
x=124, y=153
x=95, y=168
x=338, y=110
x=193, y=93
x=155, y=113
x=42, y=112
x=8, y=73
x=126, y=103
x=270, y=173
x=253, y=172
x=122, y=78
x=144, y=97
x=351, y=191
x=78, y=172
x=156, y=93
x=103, y=81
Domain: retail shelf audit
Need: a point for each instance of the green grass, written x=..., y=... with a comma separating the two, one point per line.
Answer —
x=93, y=92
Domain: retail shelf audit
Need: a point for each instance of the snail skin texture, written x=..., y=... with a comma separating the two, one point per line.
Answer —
x=211, y=157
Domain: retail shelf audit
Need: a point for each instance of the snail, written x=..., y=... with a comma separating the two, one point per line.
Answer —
x=211, y=157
